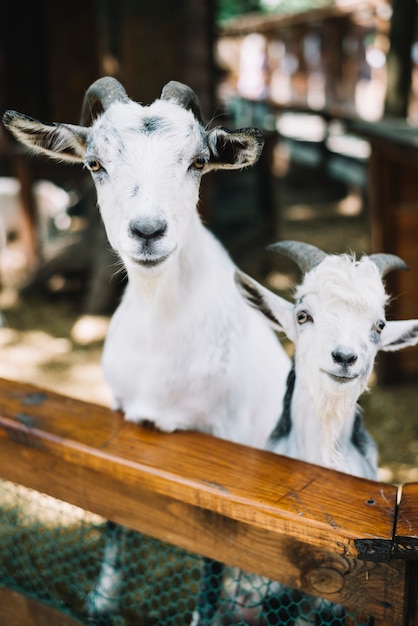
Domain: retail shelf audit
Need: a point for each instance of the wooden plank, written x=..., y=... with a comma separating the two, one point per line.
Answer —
x=376, y=588
x=245, y=484
x=411, y=594
x=393, y=203
x=405, y=547
x=406, y=531
x=290, y=521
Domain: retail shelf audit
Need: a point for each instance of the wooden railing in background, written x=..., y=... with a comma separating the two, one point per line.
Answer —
x=349, y=540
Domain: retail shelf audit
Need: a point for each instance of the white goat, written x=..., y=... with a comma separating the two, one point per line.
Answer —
x=337, y=325
x=184, y=351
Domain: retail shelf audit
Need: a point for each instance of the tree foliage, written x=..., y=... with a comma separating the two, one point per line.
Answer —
x=228, y=9
x=294, y=6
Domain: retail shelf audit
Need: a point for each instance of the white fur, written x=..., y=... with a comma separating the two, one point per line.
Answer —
x=183, y=350
x=191, y=356
x=345, y=300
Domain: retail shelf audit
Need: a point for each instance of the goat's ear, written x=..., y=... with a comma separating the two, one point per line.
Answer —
x=234, y=149
x=399, y=334
x=277, y=310
x=59, y=141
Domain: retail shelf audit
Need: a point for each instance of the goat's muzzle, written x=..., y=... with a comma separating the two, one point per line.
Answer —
x=147, y=230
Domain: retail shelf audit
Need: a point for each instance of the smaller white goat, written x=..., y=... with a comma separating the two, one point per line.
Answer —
x=337, y=325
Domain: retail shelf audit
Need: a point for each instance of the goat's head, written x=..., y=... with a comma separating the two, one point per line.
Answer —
x=337, y=322
x=146, y=163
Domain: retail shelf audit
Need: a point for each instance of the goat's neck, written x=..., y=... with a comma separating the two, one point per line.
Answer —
x=183, y=277
x=156, y=289
x=318, y=432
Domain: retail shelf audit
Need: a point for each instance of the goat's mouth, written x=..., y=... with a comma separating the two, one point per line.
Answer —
x=341, y=379
x=150, y=262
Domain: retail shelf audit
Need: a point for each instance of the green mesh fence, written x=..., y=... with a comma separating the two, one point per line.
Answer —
x=53, y=551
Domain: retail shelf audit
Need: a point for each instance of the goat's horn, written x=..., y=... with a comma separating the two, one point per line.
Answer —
x=385, y=263
x=305, y=255
x=184, y=96
x=105, y=90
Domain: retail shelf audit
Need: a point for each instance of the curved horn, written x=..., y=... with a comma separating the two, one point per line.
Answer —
x=184, y=96
x=105, y=90
x=385, y=263
x=305, y=255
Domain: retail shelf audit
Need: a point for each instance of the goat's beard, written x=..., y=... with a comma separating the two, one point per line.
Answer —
x=335, y=406
x=333, y=410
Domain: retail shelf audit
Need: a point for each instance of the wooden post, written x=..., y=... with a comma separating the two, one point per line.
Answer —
x=23, y=173
x=406, y=547
x=393, y=206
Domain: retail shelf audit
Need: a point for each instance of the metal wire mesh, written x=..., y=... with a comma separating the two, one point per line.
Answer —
x=53, y=551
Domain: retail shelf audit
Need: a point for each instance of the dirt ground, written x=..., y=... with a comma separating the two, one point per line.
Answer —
x=45, y=341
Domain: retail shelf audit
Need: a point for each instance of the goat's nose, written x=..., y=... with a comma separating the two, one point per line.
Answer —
x=147, y=229
x=344, y=356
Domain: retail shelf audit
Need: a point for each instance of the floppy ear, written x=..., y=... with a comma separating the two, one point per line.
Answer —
x=278, y=311
x=59, y=141
x=234, y=149
x=399, y=334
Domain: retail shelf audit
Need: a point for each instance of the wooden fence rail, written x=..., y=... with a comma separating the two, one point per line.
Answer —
x=350, y=540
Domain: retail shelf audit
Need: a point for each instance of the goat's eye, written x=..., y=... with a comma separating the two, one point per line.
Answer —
x=379, y=326
x=302, y=317
x=94, y=165
x=199, y=163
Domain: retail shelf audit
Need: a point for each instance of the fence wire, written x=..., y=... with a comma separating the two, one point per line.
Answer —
x=53, y=551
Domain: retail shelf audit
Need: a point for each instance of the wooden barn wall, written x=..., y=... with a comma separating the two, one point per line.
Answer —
x=50, y=52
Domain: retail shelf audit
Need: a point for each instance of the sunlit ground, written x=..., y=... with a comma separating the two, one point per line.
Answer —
x=45, y=342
